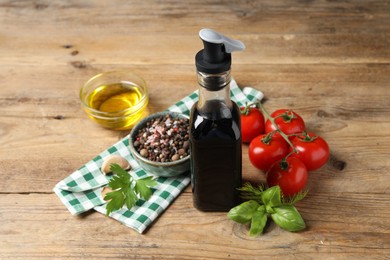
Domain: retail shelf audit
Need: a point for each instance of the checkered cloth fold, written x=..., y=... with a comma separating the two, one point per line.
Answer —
x=81, y=191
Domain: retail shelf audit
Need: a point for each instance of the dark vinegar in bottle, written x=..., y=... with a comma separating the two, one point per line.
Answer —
x=216, y=152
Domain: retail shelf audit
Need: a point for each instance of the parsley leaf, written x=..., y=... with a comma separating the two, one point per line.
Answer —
x=126, y=190
x=130, y=198
x=115, y=168
x=116, y=200
x=142, y=187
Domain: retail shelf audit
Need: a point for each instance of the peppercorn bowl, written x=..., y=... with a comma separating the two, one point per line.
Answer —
x=160, y=144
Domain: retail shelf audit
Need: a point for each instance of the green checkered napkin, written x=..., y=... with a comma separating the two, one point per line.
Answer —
x=81, y=191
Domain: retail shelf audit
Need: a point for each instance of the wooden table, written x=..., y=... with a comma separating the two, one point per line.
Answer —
x=327, y=60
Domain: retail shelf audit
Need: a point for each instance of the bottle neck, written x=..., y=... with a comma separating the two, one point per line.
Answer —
x=214, y=95
x=214, y=81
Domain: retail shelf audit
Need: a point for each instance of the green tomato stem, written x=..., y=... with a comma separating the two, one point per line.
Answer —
x=308, y=138
x=267, y=115
x=267, y=139
x=247, y=108
x=284, y=163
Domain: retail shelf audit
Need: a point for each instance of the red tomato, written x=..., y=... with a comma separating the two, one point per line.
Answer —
x=252, y=124
x=313, y=150
x=266, y=149
x=287, y=120
x=290, y=175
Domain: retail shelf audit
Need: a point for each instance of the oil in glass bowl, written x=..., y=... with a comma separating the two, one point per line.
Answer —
x=115, y=104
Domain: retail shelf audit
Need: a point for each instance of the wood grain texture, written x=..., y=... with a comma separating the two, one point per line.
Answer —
x=328, y=60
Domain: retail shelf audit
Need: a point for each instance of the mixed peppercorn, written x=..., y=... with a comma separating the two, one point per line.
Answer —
x=163, y=139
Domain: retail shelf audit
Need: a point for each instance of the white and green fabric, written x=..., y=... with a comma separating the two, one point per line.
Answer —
x=81, y=191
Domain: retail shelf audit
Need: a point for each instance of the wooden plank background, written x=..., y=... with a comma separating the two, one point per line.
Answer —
x=328, y=60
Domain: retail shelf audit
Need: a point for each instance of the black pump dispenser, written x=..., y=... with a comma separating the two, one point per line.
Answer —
x=215, y=57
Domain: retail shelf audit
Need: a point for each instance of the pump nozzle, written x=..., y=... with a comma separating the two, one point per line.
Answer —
x=216, y=57
x=208, y=35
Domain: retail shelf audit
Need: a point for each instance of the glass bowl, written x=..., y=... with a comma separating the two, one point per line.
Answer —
x=115, y=99
x=164, y=169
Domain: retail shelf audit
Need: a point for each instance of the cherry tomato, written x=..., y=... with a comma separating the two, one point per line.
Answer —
x=266, y=149
x=313, y=150
x=252, y=124
x=287, y=120
x=290, y=175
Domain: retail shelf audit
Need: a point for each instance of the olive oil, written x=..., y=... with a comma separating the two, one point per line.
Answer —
x=120, y=105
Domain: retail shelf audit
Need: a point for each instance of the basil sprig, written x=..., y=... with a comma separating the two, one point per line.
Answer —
x=264, y=203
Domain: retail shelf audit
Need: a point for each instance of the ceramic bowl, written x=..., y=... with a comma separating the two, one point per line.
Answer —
x=164, y=169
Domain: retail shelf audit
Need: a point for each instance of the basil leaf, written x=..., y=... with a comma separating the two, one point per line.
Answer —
x=288, y=218
x=269, y=209
x=259, y=220
x=243, y=213
x=272, y=197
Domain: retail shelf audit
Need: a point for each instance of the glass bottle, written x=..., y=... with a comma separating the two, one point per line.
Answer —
x=215, y=136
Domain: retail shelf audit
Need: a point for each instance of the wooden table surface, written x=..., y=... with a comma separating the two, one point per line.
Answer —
x=327, y=60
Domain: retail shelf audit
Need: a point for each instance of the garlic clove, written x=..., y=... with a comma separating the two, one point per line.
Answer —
x=122, y=162
x=106, y=190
